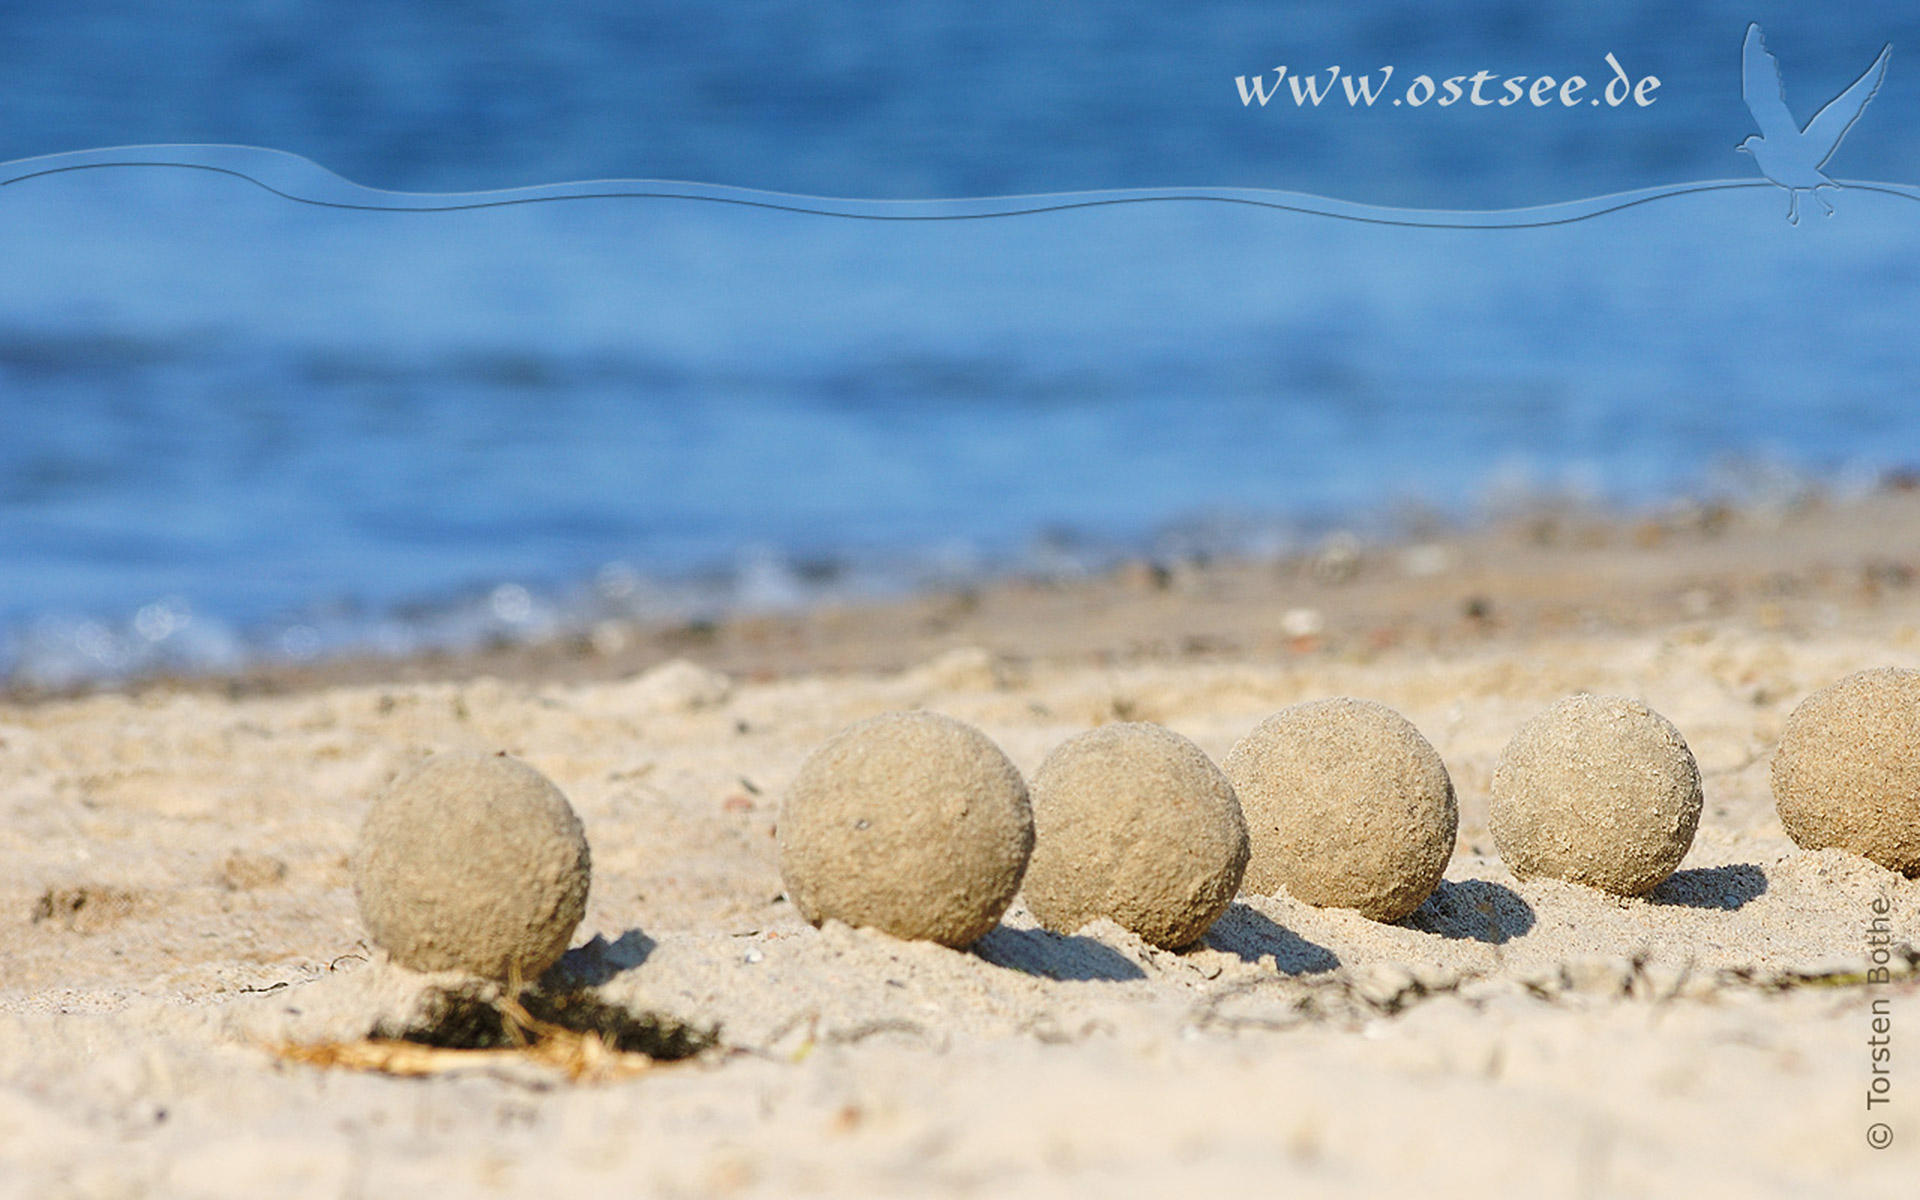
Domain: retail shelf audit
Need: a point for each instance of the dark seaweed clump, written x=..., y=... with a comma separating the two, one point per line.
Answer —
x=470, y=1018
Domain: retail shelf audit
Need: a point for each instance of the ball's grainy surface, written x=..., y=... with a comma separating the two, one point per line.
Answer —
x=1596, y=790
x=1347, y=806
x=911, y=823
x=1847, y=774
x=1134, y=823
x=472, y=863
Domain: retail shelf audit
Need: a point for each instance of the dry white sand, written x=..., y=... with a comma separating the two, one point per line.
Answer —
x=174, y=898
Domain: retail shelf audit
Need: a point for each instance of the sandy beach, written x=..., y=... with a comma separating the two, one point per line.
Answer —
x=175, y=907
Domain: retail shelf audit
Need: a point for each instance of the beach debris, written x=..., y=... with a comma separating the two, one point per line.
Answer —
x=1357, y=996
x=962, y=669
x=1347, y=806
x=1597, y=790
x=1424, y=560
x=911, y=823
x=679, y=685
x=1143, y=575
x=1339, y=558
x=472, y=863
x=87, y=908
x=1135, y=823
x=482, y=1027
x=1847, y=774
x=1302, y=623
x=246, y=871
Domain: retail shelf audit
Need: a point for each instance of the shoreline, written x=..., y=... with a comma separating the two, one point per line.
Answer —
x=1808, y=567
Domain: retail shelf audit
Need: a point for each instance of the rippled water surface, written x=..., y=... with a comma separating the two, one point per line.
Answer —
x=234, y=424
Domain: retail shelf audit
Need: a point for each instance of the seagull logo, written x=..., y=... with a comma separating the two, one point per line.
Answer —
x=1787, y=154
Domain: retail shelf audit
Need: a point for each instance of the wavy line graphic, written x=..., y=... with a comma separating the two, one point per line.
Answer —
x=299, y=179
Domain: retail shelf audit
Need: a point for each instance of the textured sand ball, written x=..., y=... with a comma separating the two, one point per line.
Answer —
x=1347, y=807
x=1134, y=823
x=1847, y=774
x=472, y=863
x=1596, y=790
x=911, y=823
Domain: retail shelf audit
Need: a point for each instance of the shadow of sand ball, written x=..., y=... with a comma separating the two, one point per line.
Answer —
x=910, y=823
x=1847, y=774
x=1136, y=824
x=1347, y=806
x=472, y=863
x=1599, y=791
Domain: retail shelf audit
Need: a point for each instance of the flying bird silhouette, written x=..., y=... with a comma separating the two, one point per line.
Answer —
x=1785, y=153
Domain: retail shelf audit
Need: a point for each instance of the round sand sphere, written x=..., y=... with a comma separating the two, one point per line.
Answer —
x=472, y=863
x=1847, y=774
x=911, y=823
x=1599, y=791
x=1347, y=807
x=1136, y=824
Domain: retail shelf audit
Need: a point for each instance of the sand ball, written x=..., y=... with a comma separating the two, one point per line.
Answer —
x=911, y=823
x=1847, y=774
x=1134, y=823
x=472, y=863
x=1596, y=790
x=1347, y=806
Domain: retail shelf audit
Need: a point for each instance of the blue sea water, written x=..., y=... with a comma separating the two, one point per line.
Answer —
x=235, y=424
